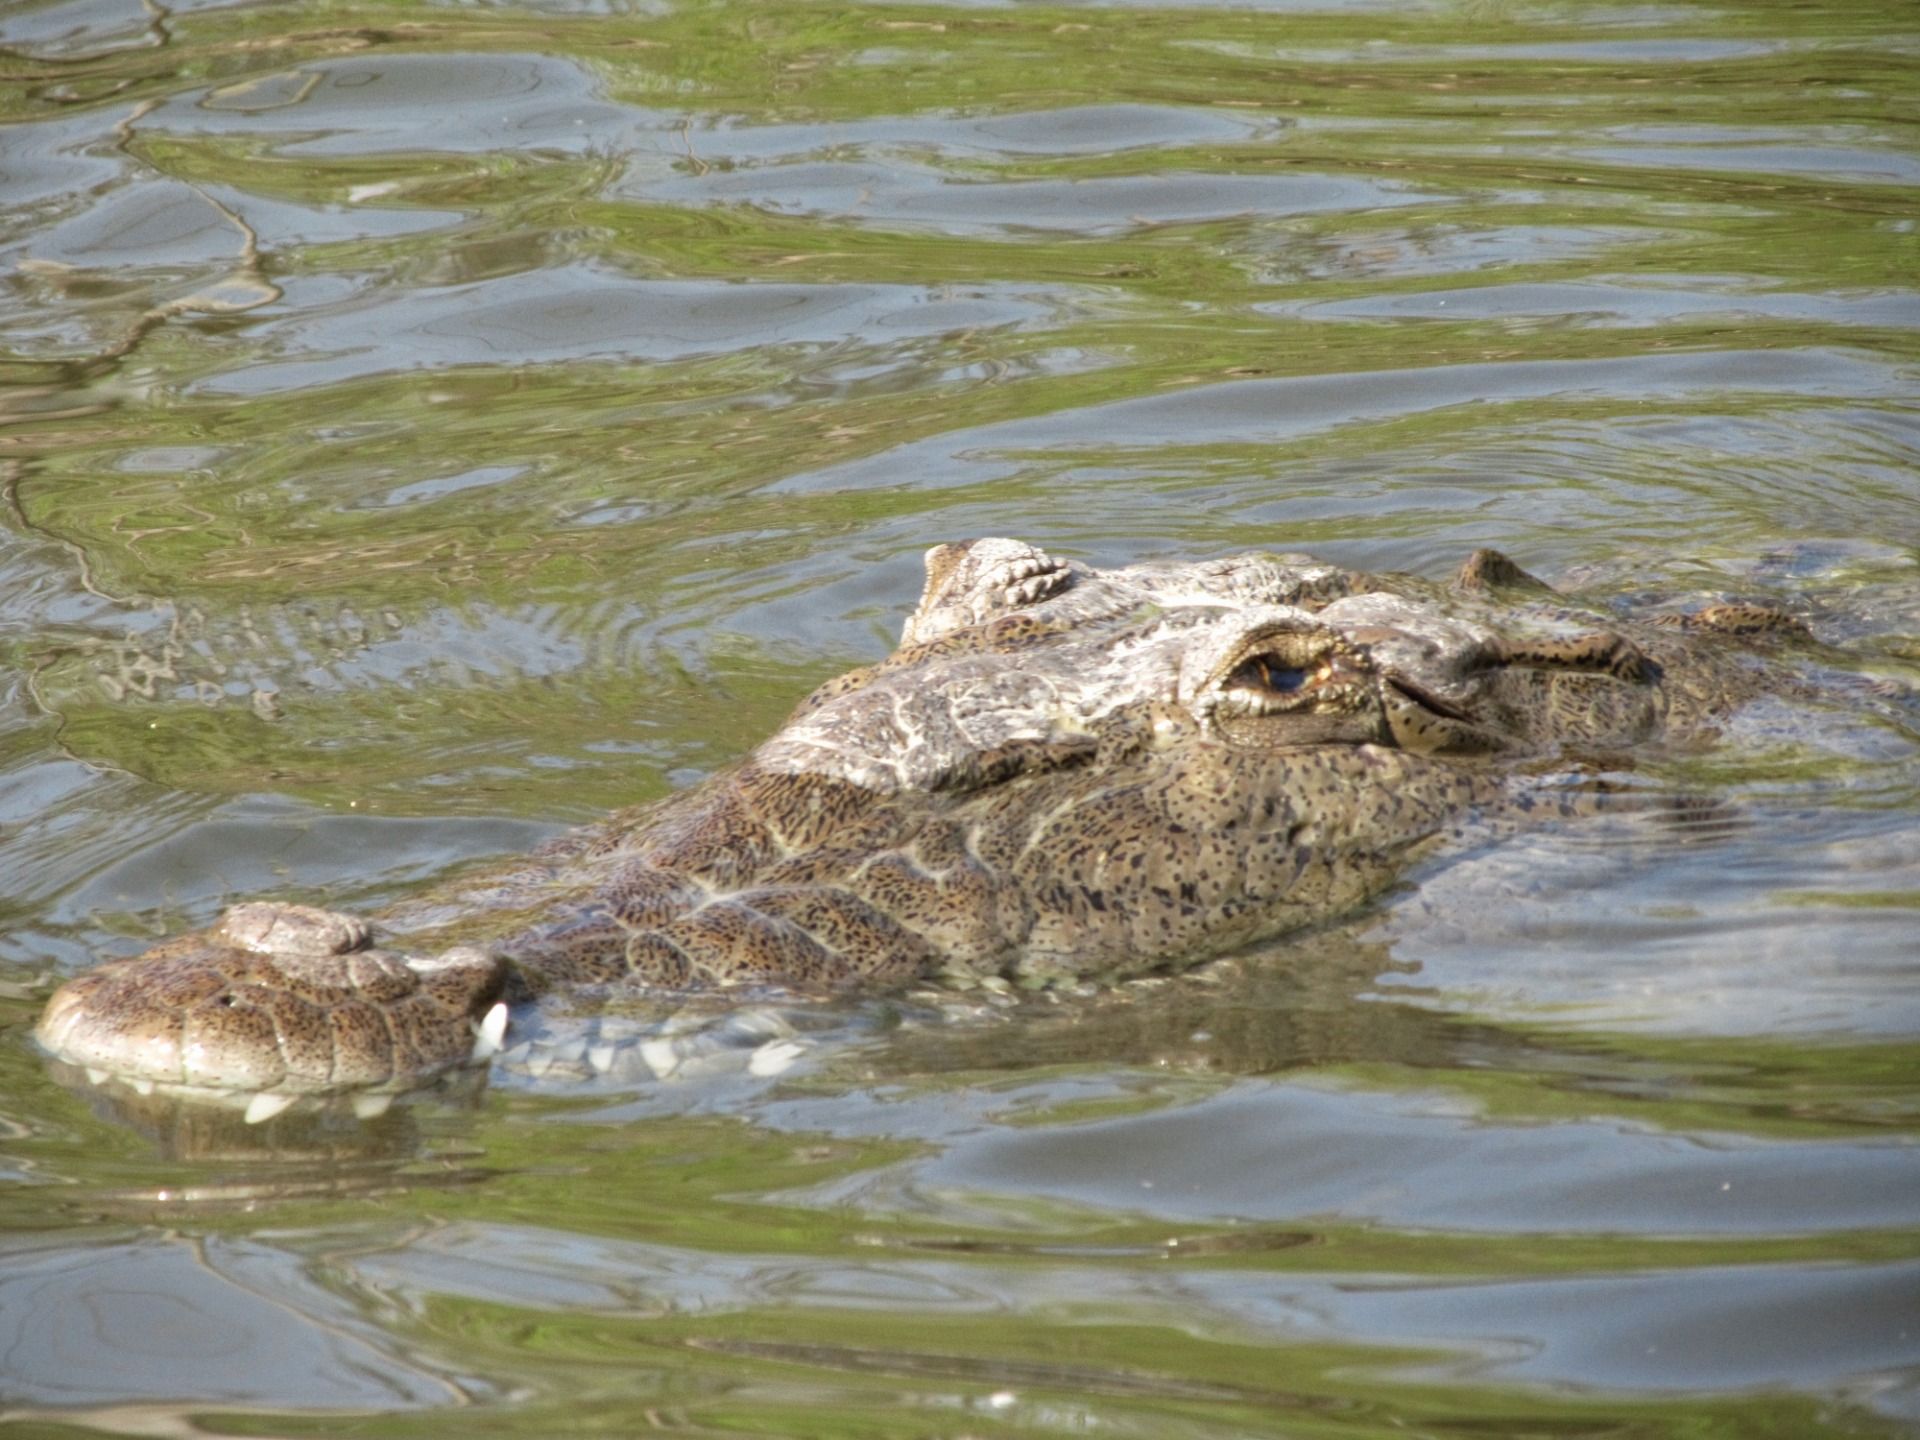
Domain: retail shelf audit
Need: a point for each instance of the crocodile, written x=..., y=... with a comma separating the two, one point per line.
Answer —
x=1061, y=772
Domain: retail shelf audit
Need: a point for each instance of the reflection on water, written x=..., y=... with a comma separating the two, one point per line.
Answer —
x=424, y=426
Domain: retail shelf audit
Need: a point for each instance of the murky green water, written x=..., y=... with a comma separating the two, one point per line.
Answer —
x=422, y=426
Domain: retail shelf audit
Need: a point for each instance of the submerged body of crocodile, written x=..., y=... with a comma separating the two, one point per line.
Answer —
x=1062, y=771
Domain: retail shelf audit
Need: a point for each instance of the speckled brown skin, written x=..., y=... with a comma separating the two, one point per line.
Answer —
x=1062, y=771
x=274, y=998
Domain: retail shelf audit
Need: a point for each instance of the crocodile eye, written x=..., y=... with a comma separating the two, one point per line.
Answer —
x=1263, y=672
x=1282, y=679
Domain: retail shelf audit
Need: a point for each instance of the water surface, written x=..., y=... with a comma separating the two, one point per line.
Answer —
x=426, y=426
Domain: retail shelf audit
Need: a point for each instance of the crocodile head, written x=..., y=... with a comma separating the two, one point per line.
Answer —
x=1014, y=659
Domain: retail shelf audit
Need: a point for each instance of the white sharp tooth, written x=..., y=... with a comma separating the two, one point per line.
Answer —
x=489, y=1032
x=601, y=1057
x=760, y=1025
x=662, y=1057
x=141, y=1087
x=265, y=1106
x=372, y=1107
x=96, y=1077
x=774, y=1057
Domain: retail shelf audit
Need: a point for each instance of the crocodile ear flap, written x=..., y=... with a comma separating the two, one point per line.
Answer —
x=1598, y=652
x=1423, y=731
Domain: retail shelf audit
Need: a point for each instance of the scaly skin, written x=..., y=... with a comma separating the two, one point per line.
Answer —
x=1062, y=772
